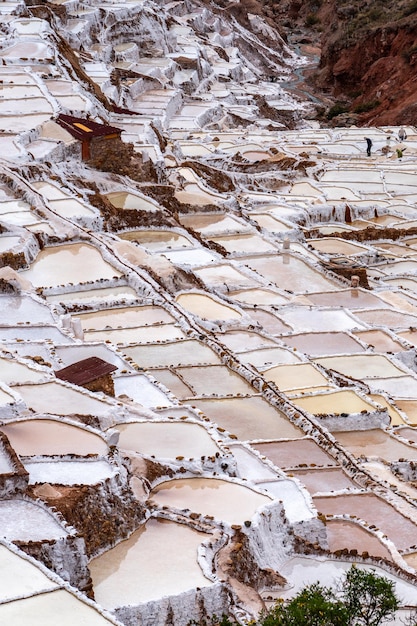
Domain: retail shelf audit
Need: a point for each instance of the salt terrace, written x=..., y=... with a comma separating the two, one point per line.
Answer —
x=247, y=294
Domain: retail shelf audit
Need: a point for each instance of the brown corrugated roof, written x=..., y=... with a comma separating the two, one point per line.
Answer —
x=82, y=129
x=85, y=371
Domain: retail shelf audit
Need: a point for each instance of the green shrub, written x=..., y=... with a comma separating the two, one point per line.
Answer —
x=366, y=106
x=337, y=109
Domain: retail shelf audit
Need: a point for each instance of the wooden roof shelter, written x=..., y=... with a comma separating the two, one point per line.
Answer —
x=85, y=371
x=87, y=131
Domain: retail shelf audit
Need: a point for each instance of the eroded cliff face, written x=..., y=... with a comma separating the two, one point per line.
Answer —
x=368, y=56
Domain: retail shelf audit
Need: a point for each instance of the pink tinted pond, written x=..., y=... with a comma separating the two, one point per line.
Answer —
x=349, y=298
x=224, y=500
x=324, y=480
x=318, y=344
x=50, y=437
x=248, y=418
x=214, y=380
x=388, y=317
x=381, y=340
x=350, y=535
x=376, y=442
x=301, y=453
x=373, y=510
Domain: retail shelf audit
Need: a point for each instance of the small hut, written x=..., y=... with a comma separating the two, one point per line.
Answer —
x=92, y=135
x=92, y=373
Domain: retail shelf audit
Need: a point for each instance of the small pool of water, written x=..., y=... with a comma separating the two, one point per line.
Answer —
x=8, y=242
x=109, y=293
x=242, y=340
x=214, y=380
x=376, y=442
x=294, y=376
x=58, y=399
x=342, y=534
x=380, y=340
x=304, y=318
x=141, y=335
x=268, y=357
x=388, y=317
x=157, y=239
x=258, y=297
x=162, y=555
x=362, y=366
x=224, y=500
x=125, y=317
x=292, y=454
x=27, y=521
x=324, y=343
x=126, y=200
x=324, y=480
x=245, y=243
x=190, y=352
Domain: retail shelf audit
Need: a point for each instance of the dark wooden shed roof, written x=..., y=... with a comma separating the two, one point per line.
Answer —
x=83, y=129
x=85, y=371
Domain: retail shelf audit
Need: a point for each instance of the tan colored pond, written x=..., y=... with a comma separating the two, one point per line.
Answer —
x=166, y=439
x=343, y=534
x=267, y=357
x=162, y=555
x=270, y=322
x=399, y=529
x=157, y=239
x=210, y=224
x=288, y=377
x=225, y=276
x=206, y=307
x=324, y=480
x=380, y=340
x=141, y=335
x=289, y=272
x=49, y=437
x=376, y=442
x=395, y=416
x=388, y=317
x=291, y=454
x=362, y=366
x=268, y=222
x=126, y=200
x=332, y=245
x=345, y=401
x=324, y=343
x=224, y=500
x=248, y=418
x=349, y=298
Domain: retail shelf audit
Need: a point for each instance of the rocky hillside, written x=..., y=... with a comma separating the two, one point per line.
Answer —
x=368, y=56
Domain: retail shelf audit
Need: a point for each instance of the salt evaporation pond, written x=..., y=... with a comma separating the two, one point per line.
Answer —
x=388, y=317
x=58, y=399
x=124, y=317
x=167, y=439
x=213, y=224
x=50, y=437
x=157, y=239
x=362, y=366
x=398, y=528
x=141, y=390
x=142, y=334
x=301, y=571
x=227, y=501
x=289, y=272
x=271, y=323
x=42, y=610
x=245, y=243
x=348, y=298
x=23, y=577
x=110, y=293
x=286, y=454
x=303, y=318
x=288, y=377
x=380, y=340
x=337, y=246
x=343, y=534
x=6, y=398
x=376, y=442
x=69, y=263
x=177, y=353
x=15, y=372
x=22, y=520
x=248, y=418
x=345, y=401
x=23, y=310
x=159, y=559
x=258, y=296
x=267, y=357
x=172, y=382
x=68, y=472
x=214, y=380
x=324, y=480
x=296, y=502
x=324, y=343
x=8, y=242
x=242, y=340
x=225, y=277
x=126, y=200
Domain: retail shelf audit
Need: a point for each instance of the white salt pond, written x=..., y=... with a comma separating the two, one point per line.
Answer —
x=22, y=520
x=248, y=418
x=224, y=500
x=68, y=472
x=193, y=257
x=8, y=242
x=6, y=398
x=142, y=334
x=258, y=297
x=42, y=610
x=245, y=243
x=23, y=310
x=23, y=577
x=58, y=399
x=50, y=437
x=210, y=224
x=302, y=570
x=242, y=340
x=106, y=293
x=267, y=357
x=225, y=277
x=289, y=272
x=69, y=263
x=320, y=320
x=206, y=307
x=296, y=502
x=15, y=372
x=141, y=390
x=159, y=559
x=214, y=380
x=125, y=317
x=167, y=439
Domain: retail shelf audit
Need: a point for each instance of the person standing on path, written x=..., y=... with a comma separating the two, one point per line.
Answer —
x=369, y=146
